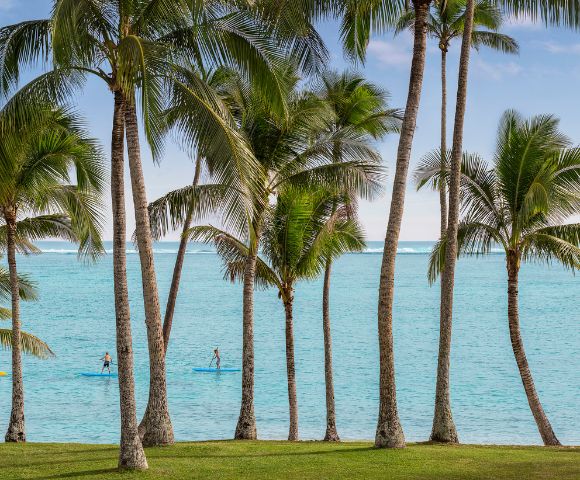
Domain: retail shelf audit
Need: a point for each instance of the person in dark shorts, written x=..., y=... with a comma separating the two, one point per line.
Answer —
x=106, y=362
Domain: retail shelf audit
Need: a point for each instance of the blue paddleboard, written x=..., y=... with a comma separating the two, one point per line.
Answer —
x=93, y=374
x=211, y=369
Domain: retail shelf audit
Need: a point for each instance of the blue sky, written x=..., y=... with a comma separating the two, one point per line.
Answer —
x=544, y=78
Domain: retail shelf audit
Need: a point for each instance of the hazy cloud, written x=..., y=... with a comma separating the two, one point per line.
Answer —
x=554, y=47
x=390, y=53
x=498, y=71
x=523, y=22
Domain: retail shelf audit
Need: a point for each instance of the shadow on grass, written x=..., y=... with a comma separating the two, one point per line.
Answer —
x=258, y=454
x=85, y=473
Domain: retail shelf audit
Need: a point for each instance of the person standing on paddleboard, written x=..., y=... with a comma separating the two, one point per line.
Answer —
x=216, y=357
x=106, y=362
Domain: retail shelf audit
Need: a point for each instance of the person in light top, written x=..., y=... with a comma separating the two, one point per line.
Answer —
x=216, y=356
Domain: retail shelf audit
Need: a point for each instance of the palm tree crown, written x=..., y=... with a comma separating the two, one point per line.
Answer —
x=446, y=20
x=522, y=203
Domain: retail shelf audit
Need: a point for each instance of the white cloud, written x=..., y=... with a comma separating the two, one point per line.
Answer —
x=392, y=54
x=553, y=47
x=498, y=71
x=523, y=22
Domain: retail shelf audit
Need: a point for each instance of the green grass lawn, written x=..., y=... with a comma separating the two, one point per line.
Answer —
x=302, y=460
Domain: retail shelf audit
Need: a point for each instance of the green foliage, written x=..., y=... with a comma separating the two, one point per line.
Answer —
x=134, y=45
x=28, y=343
x=523, y=202
x=36, y=162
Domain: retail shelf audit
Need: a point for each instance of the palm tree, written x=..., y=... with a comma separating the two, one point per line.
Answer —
x=303, y=232
x=521, y=204
x=293, y=147
x=446, y=22
x=133, y=46
x=37, y=201
x=362, y=106
x=202, y=198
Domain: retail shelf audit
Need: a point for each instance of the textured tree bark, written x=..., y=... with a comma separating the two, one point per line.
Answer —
x=443, y=426
x=331, y=434
x=544, y=426
x=174, y=289
x=389, y=431
x=16, y=428
x=442, y=187
x=246, y=427
x=131, y=454
x=291, y=368
x=155, y=427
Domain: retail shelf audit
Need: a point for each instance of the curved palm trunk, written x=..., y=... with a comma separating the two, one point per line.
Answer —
x=16, y=431
x=331, y=434
x=174, y=289
x=291, y=368
x=544, y=426
x=131, y=454
x=389, y=431
x=155, y=428
x=442, y=186
x=246, y=426
x=443, y=426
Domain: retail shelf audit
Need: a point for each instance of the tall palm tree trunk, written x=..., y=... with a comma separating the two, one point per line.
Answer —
x=544, y=426
x=442, y=186
x=389, y=431
x=155, y=428
x=174, y=289
x=443, y=426
x=291, y=369
x=131, y=454
x=246, y=426
x=16, y=431
x=331, y=434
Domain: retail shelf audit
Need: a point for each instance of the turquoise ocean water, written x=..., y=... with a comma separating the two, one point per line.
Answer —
x=75, y=315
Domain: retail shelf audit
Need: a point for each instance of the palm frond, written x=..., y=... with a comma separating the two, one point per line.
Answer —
x=29, y=344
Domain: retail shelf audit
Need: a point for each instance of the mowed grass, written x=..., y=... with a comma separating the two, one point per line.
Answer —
x=300, y=460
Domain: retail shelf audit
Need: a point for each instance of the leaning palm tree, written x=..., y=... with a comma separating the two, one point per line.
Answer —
x=363, y=107
x=293, y=148
x=132, y=46
x=304, y=230
x=37, y=201
x=521, y=204
x=445, y=23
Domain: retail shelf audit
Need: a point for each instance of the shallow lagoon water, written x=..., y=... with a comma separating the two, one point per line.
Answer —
x=75, y=315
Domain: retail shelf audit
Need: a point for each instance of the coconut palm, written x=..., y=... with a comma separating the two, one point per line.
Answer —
x=521, y=204
x=445, y=23
x=293, y=148
x=362, y=106
x=132, y=46
x=37, y=201
x=203, y=199
x=303, y=232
